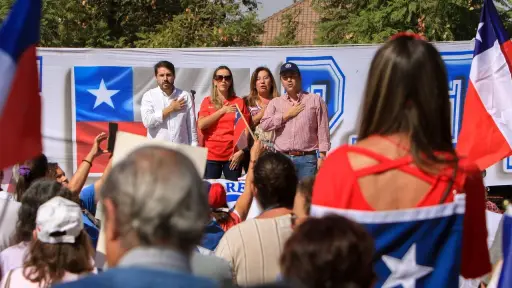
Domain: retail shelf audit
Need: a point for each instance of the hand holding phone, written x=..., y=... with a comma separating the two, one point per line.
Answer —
x=112, y=132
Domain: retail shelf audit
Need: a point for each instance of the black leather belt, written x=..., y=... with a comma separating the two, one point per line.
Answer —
x=299, y=153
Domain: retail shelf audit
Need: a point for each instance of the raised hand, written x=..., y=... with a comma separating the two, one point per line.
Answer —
x=96, y=149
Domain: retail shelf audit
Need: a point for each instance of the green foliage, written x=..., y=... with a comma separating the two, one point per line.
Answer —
x=100, y=23
x=374, y=21
x=289, y=27
x=147, y=23
x=217, y=23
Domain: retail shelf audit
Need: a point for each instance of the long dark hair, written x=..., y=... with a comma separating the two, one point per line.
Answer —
x=38, y=169
x=214, y=94
x=329, y=252
x=46, y=263
x=407, y=92
x=39, y=192
x=252, y=99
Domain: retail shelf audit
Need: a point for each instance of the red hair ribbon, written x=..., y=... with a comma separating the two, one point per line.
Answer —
x=408, y=34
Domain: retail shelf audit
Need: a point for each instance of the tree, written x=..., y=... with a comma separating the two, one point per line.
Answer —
x=289, y=26
x=214, y=23
x=100, y=23
x=374, y=21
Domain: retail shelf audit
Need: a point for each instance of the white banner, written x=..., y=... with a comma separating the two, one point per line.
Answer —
x=71, y=77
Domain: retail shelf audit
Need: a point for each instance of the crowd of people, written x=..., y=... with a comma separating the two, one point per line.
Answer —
x=325, y=220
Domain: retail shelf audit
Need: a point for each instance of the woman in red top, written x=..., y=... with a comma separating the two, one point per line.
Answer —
x=404, y=157
x=217, y=123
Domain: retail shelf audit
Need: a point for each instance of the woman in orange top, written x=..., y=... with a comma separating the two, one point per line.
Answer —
x=404, y=157
x=217, y=123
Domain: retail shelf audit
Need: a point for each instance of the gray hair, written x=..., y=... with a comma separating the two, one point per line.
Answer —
x=159, y=199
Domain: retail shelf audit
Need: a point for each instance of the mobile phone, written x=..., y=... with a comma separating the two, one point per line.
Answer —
x=112, y=132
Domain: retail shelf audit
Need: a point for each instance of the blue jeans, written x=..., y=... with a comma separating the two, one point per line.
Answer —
x=305, y=166
x=214, y=170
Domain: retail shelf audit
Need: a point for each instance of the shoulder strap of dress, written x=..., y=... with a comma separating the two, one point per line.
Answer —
x=8, y=280
x=450, y=184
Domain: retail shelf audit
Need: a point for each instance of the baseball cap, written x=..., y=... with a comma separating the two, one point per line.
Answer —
x=216, y=195
x=289, y=67
x=59, y=220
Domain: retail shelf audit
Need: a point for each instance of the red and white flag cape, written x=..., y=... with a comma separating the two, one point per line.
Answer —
x=486, y=133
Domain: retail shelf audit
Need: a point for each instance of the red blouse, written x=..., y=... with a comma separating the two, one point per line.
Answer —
x=338, y=184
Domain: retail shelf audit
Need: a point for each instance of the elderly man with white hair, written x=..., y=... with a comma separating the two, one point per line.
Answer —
x=155, y=213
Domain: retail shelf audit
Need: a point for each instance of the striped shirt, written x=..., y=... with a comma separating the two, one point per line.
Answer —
x=308, y=131
x=253, y=249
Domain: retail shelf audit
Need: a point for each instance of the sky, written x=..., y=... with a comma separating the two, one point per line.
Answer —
x=269, y=7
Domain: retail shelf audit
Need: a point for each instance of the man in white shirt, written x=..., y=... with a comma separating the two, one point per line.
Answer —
x=167, y=112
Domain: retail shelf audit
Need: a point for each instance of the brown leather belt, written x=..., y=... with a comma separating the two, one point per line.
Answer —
x=299, y=153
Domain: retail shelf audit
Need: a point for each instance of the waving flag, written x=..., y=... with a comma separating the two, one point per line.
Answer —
x=417, y=247
x=486, y=135
x=240, y=135
x=506, y=268
x=20, y=103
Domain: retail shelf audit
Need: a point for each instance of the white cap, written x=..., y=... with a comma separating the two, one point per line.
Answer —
x=61, y=217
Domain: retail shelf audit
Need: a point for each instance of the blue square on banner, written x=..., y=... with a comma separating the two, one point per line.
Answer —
x=458, y=66
x=103, y=93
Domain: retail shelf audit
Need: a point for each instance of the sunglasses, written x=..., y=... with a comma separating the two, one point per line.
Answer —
x=225, y=77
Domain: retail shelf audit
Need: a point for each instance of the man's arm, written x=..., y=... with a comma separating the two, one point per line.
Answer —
x=243, y=204
x=78, y=180
x=272, y=119
x=150, y=116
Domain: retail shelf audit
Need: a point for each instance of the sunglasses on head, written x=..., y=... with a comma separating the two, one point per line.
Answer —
x=225, y=77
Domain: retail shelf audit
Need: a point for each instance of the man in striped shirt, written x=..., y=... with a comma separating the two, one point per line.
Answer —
x=300, y=121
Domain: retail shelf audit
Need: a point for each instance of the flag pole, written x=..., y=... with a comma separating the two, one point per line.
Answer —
x=245, y=121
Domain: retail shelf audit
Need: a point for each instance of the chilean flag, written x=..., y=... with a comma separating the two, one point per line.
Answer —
x=486, y=133
x=20, y=103
x=103, y=94
x=417, y=247
x=240, y=139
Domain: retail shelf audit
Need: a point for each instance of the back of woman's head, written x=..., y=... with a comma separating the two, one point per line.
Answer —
x=329, y=252
x=407, y=92
x=36, y=195
x=275, y=179
x=34, y=169
x=49, y=262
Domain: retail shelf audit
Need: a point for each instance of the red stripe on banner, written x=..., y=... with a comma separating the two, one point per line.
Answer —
x=20, y=122
x=480, y=139
x=87, y=131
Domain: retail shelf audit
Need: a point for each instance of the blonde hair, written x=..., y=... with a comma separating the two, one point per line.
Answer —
x=214, y=93
x=253, y=98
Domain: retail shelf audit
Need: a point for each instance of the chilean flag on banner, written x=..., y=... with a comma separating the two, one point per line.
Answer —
x=486, y=133
x=103, y=94
x=20, y=103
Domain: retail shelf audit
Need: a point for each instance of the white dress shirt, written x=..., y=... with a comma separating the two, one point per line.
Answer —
x=179, y=127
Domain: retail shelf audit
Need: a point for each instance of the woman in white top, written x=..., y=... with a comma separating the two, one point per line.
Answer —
x=60, y=251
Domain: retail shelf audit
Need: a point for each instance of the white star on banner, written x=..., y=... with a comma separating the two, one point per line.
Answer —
x=478, y=37
x=103, y=95
x=404, y=271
